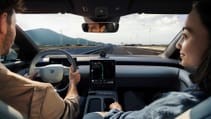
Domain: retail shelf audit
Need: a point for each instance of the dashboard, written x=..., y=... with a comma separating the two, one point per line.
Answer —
x=104, y=80
x=108, y=79
x=114, y=72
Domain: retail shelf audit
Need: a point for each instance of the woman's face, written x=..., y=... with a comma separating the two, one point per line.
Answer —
x=193, y=42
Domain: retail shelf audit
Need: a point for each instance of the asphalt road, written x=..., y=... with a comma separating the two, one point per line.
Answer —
x=132, y=50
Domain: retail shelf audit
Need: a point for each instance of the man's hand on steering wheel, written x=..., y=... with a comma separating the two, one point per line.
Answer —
x=55, y=73
x=74, y=77
x=31, y=76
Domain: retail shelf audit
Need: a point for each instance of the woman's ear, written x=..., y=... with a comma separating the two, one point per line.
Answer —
x=3, y=23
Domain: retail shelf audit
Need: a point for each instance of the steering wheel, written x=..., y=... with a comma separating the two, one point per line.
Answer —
x=52, y=73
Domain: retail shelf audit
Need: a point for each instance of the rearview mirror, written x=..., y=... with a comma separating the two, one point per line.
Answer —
x=100, y=27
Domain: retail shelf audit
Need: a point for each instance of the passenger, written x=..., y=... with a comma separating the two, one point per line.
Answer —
x=195, y=53
x=34, y=100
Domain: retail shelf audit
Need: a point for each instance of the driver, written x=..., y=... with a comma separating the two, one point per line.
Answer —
x=94, y=26
x=34, y=100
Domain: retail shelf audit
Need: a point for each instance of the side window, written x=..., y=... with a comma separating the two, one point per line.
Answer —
x=12, y=56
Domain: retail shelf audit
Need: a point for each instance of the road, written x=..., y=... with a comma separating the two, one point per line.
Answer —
x=115, y=49
x=133, y=50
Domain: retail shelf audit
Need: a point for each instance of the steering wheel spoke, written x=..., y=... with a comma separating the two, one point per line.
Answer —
x=66, y=71
x=53, y=73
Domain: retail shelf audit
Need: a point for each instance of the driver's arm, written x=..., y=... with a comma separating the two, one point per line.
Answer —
x=74, y=79
x=54, y=107
x=39, y=100
x=72, y=97
x=69, y=107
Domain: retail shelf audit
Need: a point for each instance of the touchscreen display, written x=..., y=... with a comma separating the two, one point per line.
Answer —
x=102, y=73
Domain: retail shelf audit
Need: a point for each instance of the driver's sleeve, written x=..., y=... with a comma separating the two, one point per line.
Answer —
x=54, y=107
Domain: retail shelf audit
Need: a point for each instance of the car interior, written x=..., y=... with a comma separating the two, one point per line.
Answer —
x=106, y=77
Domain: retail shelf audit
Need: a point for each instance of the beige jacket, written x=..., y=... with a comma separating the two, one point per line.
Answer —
x=35, y=100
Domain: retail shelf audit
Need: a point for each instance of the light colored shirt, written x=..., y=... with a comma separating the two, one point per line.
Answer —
x=35, y=100
x=168, y=106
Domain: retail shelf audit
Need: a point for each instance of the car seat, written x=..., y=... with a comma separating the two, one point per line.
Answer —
x=8, y=112
x=200, y=111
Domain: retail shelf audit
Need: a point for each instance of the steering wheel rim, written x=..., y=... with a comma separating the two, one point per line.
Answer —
x=42, y=54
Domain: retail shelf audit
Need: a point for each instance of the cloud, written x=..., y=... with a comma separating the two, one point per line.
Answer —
x=134, y=28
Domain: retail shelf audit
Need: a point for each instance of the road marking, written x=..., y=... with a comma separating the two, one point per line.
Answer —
x=130, y=53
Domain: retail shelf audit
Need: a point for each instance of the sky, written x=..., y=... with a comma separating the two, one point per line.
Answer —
x=133, y=29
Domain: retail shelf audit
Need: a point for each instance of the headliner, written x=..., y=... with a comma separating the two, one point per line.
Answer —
x=108, y=8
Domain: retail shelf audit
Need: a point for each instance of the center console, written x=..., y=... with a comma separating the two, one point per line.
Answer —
x=101, y=86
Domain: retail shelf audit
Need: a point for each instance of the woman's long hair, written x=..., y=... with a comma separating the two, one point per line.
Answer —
x=203, y=74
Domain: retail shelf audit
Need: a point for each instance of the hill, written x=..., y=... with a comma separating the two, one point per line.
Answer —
x=46, y=37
